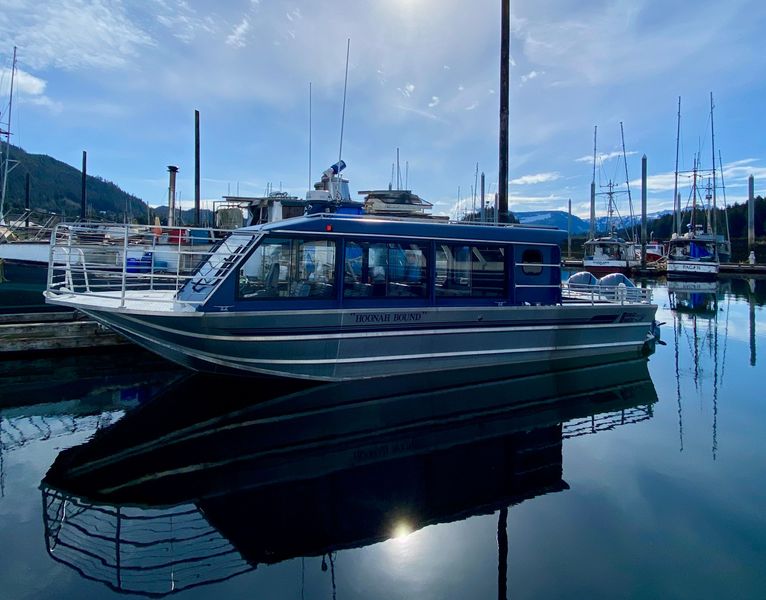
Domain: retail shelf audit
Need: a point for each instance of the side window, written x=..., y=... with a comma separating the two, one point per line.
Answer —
x=289, y=268
x=532, y=262
x=389, y=269
x=476, y=271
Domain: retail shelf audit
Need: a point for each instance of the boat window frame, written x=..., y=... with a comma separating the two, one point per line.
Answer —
x=331, y=298
x=426, y=246
x=470, y=299
x=532, y=268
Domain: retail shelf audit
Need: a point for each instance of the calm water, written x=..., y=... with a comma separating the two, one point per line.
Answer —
x=642, y=479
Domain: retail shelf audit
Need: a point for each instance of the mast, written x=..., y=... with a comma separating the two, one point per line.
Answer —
x=725, y=203
x=627, y=184
x=676, y=199
x=309, y=136
x=505, y=59
x=7, y=142
x=593, y=189
x=715, y=216
x=694, y=196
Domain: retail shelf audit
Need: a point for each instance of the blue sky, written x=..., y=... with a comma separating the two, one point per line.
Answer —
x=121, y=79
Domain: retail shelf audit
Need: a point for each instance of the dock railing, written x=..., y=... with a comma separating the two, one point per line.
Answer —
x=118, y=263
x=595, y=294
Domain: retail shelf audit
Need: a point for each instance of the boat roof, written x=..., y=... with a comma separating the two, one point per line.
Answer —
x=368, y=225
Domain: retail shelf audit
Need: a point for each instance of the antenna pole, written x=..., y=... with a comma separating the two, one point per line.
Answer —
x=406, y=174
x=7, y=142
x=343, y=113
x=398, y=172
x=676, y=200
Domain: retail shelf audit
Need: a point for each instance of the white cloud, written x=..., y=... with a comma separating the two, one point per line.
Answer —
x=25, y=83
x=237, y=36
x=472, y=106
x=536, y=178
x=74, y=34
x=602, y=157
x=407, y=90
x=434, y=102
x=531, y=75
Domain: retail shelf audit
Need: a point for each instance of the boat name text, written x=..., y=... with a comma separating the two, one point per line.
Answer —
x=407, y=317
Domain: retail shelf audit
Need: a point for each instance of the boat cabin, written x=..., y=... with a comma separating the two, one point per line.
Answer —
x=343, y=261
x=608, y=248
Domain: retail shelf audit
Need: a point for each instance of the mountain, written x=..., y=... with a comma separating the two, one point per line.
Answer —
x=56, y=186
x=558, y=218
x=553, y=218
x=187, y=216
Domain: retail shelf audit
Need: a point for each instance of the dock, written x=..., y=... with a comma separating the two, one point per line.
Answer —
x=53, y=331
x=741, y=269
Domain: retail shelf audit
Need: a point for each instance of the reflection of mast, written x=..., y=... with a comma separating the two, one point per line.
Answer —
x=715, y=382
x=676, y=329
x=502, y=554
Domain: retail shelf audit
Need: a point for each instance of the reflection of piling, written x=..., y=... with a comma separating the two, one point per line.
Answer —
x=502, y=554
x=751, y=213
x=172, y=170
x=751, y=303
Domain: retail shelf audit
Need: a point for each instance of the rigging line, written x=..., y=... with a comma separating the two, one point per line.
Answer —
x=343, y=112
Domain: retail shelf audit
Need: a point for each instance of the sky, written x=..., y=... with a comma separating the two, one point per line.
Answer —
x=121, y=80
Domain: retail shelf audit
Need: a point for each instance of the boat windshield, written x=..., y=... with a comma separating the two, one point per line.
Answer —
x=289, y=268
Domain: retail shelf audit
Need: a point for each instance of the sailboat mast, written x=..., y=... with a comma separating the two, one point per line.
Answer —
x=715, y=216
x=7, y=142
x=694, y=196
x=309, y=187
x=593, y=189
x=627, y=184
x=676, y=199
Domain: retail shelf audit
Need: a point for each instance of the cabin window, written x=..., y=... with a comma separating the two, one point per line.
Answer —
x=387, y=269
x=289, y=268
x=532, y=262
x=476, y=271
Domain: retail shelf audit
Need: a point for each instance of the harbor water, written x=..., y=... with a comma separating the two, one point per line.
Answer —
x=122, y=474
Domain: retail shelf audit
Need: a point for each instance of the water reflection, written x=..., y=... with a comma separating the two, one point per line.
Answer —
x=58, y=396
x=701, y=313
x=185, y=491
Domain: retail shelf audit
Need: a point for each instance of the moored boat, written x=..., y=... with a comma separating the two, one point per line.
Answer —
x=340, y=297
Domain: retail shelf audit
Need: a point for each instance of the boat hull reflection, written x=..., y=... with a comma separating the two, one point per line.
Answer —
x=315, y=471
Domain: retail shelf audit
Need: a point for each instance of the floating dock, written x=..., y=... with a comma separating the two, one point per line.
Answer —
x=743, y=269
x=40, y=332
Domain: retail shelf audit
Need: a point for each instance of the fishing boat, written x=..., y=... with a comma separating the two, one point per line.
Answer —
x=338, y=297
x=698, y=252
x=611, y=253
